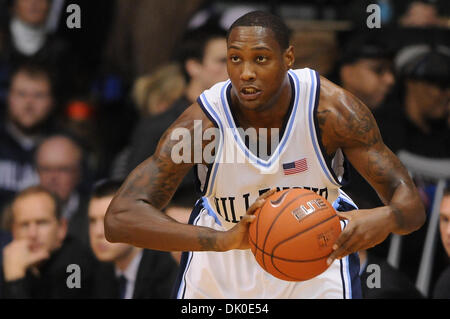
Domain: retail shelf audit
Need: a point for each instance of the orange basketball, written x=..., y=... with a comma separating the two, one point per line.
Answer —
x=293, y=234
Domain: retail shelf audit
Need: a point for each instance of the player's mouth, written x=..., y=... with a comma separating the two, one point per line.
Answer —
x=250, y=93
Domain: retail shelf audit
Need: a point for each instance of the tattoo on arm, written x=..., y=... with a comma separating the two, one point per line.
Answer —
x=208, y=242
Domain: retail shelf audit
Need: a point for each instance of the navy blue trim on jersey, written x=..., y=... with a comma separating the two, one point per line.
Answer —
x=185, y=260
x=286, y=117
x=205, y=110
x=352, y=272
x=319, y=133
x=209, y=111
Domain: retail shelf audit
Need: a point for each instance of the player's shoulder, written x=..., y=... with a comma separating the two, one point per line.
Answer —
x=216, y=89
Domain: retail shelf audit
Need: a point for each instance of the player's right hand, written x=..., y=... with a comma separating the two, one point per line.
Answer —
x=237, y=237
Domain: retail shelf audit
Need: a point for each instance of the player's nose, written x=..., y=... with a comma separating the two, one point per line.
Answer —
x=247, y=74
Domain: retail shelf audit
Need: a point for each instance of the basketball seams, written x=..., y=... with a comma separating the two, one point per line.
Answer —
x=298, y=234
x=276, y=218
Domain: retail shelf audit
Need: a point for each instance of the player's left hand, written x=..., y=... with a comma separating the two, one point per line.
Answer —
x=365, y=229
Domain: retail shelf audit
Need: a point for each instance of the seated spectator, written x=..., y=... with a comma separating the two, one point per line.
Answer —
x=422, y=14
x=35, y=263
x=59, y=160
x=155, y=93
x=202, y=55
x=420, y=125
x=442, y=287
x=126, y=272
x=152, y=94
x=30, y=103
x=24, y=37
x=365, y=70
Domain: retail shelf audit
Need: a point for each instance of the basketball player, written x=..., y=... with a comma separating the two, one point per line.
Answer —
x=318, y=122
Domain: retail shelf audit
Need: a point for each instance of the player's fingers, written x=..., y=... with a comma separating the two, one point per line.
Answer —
x=339, y=246
x=247, y=219
x=260, y=201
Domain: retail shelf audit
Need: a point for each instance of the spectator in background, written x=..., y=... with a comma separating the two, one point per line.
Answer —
x=27, y=121
x=135, y=22
x=420, y=126
x=126, y=272
x=59, y=162
x=24, y=37
x=442, y=287
x=152, y=94
x=202, y=55
x=422, y=14
x=35, y=262
x=365, y=70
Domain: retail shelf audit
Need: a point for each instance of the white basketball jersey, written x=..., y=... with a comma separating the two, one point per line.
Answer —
x=238, y=177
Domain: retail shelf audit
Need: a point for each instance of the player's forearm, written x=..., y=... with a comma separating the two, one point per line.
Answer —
x=406, y=209
x=142, y=225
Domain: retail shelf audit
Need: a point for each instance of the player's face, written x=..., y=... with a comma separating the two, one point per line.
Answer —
x=35, y=220
x=444, y=223
x=103, y=250
x=257, y=66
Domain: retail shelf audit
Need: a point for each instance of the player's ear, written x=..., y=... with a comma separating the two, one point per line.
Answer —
x=289, y=57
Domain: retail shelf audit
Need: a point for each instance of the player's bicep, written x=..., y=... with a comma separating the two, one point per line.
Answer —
x=350, y=125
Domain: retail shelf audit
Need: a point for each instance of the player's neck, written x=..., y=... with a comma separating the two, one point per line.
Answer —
x=271, y=115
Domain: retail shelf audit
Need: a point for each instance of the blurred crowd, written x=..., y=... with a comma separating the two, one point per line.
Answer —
x=81, y=107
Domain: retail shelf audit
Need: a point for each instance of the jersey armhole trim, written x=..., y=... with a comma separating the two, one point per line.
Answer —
x=327, y=168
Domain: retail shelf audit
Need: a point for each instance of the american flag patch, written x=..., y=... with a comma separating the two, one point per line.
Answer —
x=295, y=167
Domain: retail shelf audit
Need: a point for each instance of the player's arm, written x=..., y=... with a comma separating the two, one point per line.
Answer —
x=346, y=123
x=135, y=217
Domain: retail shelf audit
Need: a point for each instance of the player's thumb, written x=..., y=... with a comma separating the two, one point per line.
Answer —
x=344, y=215
x=248, y=218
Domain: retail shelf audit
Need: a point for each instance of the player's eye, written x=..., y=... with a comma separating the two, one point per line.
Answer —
x=234, y=58
x=261, y=59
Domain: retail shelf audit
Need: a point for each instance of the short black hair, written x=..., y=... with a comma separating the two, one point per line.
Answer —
x=194, y=42
x=430, y=64
x=265, y=20
x=106, y=188
x=369, y=45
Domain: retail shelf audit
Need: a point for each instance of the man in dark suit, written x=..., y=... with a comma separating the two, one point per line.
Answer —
x=41, y=261
x=126, y=272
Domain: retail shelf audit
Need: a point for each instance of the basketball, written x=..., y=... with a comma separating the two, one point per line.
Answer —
x=293, y=234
